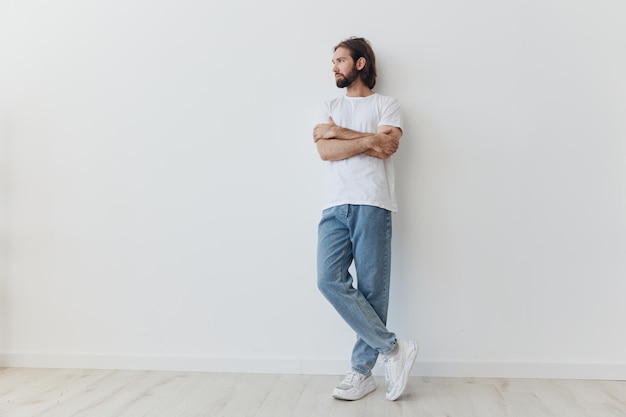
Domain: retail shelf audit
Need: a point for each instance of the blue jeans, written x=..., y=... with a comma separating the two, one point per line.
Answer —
x=361, y=234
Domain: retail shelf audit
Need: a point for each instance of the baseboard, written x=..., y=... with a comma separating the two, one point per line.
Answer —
x=540, y=370
x=447, y=369
x=179, y=363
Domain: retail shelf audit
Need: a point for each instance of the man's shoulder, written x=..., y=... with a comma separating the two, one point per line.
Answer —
x=385, y=98
x=333, y=104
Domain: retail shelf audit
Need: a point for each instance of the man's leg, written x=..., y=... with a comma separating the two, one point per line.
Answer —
x=371, y=239
x=335, y=254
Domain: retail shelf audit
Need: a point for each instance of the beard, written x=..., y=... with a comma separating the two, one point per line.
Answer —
x=346, y=80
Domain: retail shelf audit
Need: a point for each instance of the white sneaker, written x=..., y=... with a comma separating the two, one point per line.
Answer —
x=398, y=368
x=354, y=386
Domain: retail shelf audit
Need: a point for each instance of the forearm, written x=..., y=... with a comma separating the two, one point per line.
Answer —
x=335, y=143
x=343, y=133
x=338, y=149
x=332, y=131
x=377, y=154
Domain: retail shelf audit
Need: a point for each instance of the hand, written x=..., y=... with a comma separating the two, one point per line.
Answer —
x=324, y=130
x=385, y=144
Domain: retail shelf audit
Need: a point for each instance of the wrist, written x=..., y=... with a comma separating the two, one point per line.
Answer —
x=372, y=141
x=330, y=132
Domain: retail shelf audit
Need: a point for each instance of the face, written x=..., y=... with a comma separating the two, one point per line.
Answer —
x=344, y=68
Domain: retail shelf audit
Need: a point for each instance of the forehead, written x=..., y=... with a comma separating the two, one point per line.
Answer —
x=342, y=53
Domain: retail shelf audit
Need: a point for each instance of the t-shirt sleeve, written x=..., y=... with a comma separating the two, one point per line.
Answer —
x=323, y=113
x=391, y=114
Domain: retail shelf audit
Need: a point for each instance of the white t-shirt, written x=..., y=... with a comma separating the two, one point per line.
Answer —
x=361, y=179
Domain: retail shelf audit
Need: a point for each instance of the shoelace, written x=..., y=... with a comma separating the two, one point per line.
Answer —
x=351, y=377
x=388, y=376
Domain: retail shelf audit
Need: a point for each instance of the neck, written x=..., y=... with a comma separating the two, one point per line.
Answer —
x=358, y=89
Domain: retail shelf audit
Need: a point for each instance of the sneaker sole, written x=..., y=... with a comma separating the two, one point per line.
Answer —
x=339, y=396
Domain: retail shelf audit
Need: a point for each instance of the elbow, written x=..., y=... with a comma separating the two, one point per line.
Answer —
x=329, y=156
x=323, y=152
x=325, y=157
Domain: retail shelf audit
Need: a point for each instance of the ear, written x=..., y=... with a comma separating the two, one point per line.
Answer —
x=360, y=63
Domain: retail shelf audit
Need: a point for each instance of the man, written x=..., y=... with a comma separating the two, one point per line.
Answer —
x=359, y=134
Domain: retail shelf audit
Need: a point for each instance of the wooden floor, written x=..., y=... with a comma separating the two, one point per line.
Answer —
x=98, y=393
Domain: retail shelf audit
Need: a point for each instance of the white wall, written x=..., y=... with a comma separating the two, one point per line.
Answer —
x=160, y=191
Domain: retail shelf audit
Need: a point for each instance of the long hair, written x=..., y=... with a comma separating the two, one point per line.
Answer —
x=360, y=47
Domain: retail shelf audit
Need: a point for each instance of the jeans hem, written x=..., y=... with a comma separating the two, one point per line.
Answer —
x=391, y=348
x=366, y=374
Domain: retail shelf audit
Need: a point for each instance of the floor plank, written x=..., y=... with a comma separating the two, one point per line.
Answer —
x=104, y=393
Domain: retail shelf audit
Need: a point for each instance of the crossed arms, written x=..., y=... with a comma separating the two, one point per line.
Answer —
x=335, y=143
